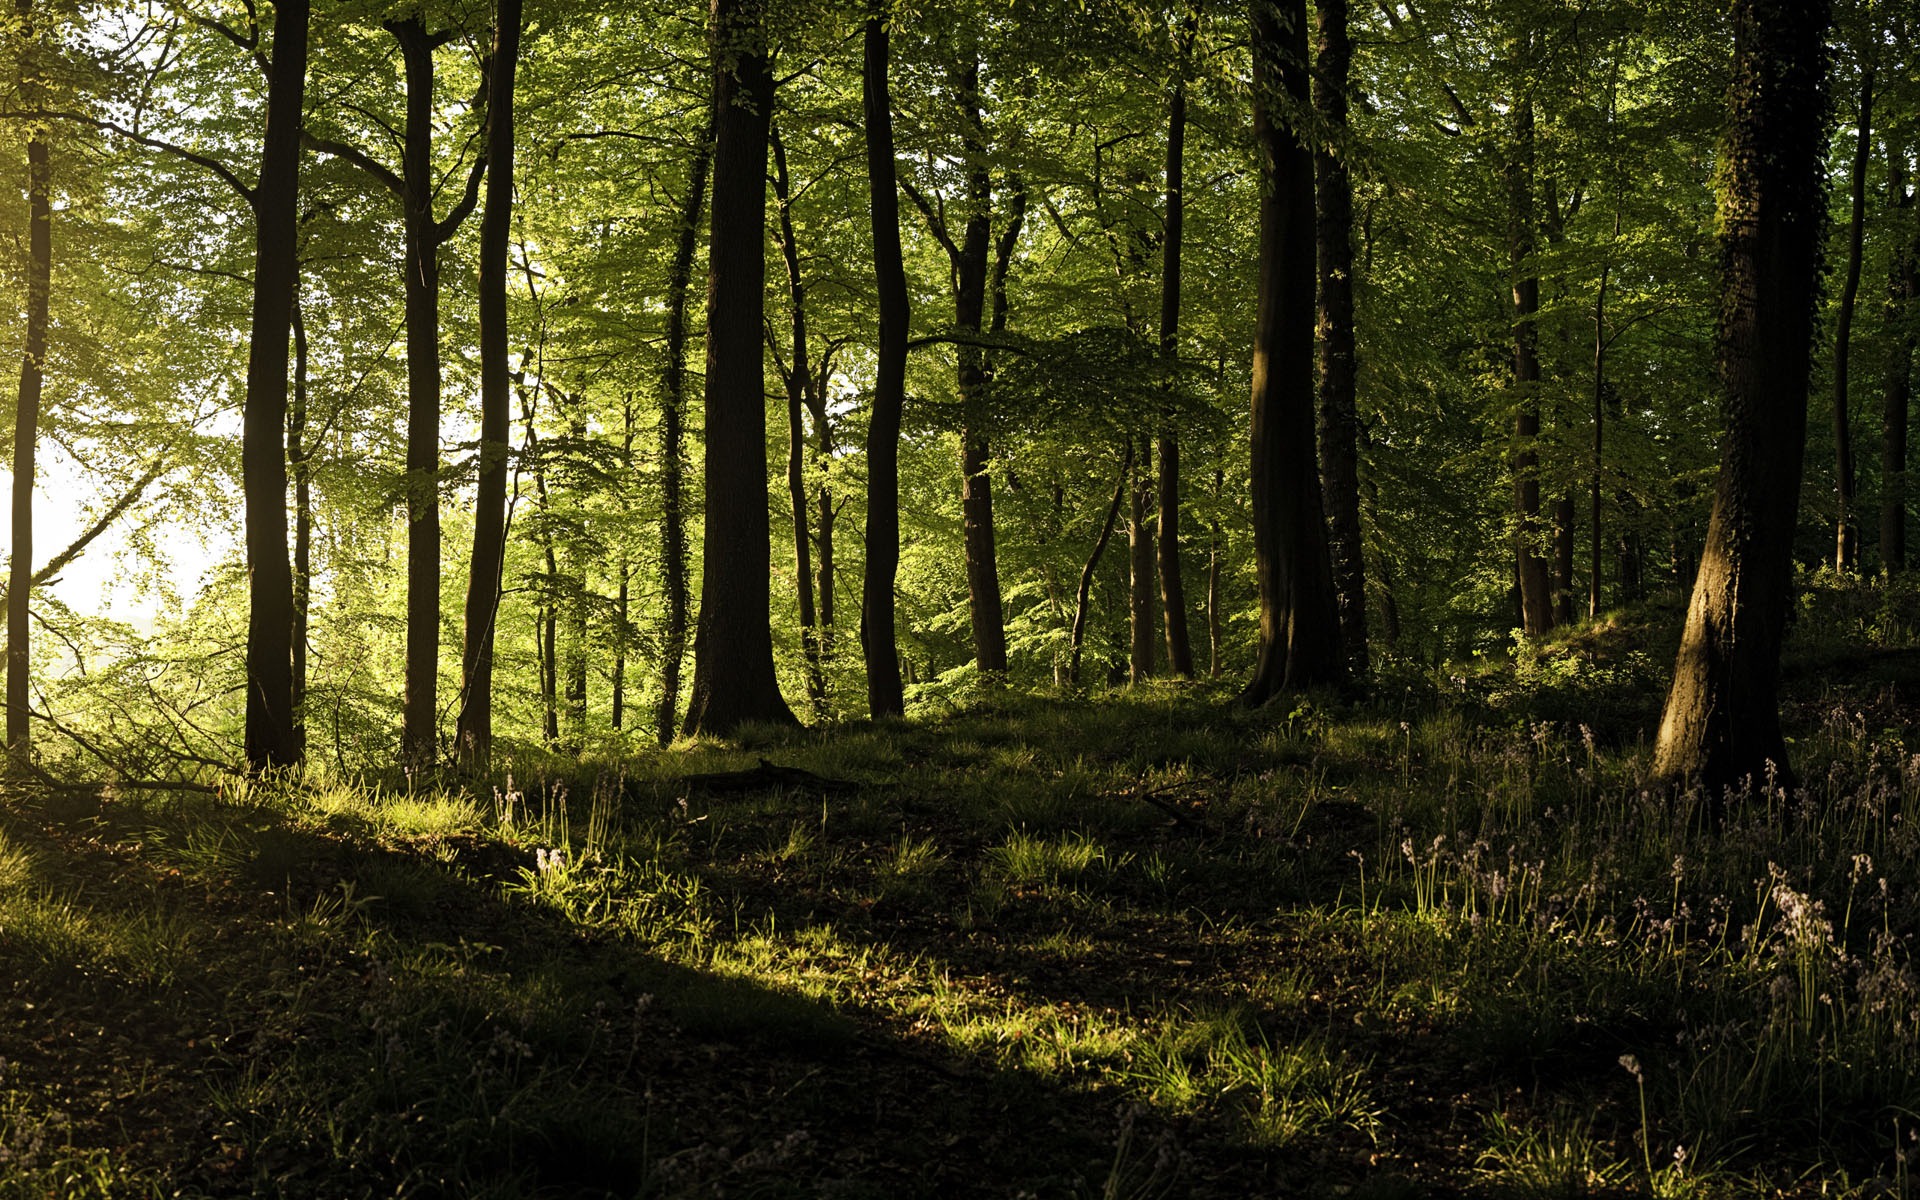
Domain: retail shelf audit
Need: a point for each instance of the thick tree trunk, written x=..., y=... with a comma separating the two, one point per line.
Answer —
x=673, y=457
x=1299, y=613
x=474, y=728
x=1142, y=635
x=799, y=380
x=877, y=637
x=1721, y=727
x=733, y=677
x=1563, y=519
x=270, y=741
x=26, y=430
x=1338, y=415
x=1902, y=296
x=1846, y=543
x=1535, y=582
x=1083, y=597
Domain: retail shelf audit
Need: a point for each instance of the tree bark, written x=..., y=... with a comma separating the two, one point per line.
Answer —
x=733, y=677
x=474, y=728
x=1846, y=546
x=1338, y=414
x=976, y=487
x=1142, y=636
x=1536, y=585
x=1721, y=728
x=799, y=381
x=1902, y=296
x=1299, y=613
x=270, y=741
x=1173, y=592
x=300, y=462
x=26, y=423
x=673, y=392
x=885, y=694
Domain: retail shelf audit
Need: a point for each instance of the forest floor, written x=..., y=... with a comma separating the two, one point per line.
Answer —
x=1435, y=942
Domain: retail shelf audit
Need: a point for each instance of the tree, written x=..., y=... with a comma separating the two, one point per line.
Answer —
x=877, y=636
x=270, y=734
x=26, y=421
x=416, y=186
x=474, y=731
x=1299, y=617
x=733, y=679
x=1721, y=727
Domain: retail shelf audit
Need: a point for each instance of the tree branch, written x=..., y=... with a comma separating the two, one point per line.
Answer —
x=381, y=173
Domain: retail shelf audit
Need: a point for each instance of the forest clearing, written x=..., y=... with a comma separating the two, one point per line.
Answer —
x=1020, y=598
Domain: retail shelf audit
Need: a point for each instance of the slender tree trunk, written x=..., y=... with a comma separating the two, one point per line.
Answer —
x=270, y=741
x=1536, y=586
x=733, y=678
x=1563, y=521
x=1083, y=597
x=877, y=637
x=474, y=728
x=547, y=614
x=623, y=575
x=1902, y=296
x=577, y=612
x=1599, y=425
x=1142, y=636
x=1846, y=551
x=1173, y=592
x=799, y=380
x=1721, y=727
x=976, y=487
x=419, y=736
x=300, y=461
x=673, y=520
x=26, y=423
x=1214, y=547
x=1299, y=612
x=1338, y=414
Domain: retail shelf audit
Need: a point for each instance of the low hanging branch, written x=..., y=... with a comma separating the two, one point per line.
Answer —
x=78, y=546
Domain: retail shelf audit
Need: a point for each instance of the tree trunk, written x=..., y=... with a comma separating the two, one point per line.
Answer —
x=270, y=739
x=474, y=728
x=1563, y=518
x=1536, y=586
x=1902, y=296
x=733, y=678
x=419, y=735
x=1721, y=727
x=976, y=487
x=26, y=424
x=1173, y=592
x=1846, y=545
x=1084, y=596
x=547, y=614
x=1338, y=415
x=1599, y=425
x=673, y=521
x=799, y=380
x=1214, y=546
x=300, y=461
x=1140, y=570
x=885, y=696
x=1299, y=612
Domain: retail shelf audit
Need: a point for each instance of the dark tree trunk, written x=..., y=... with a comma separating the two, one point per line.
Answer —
x=474, y=732
x=733, y=678
x=1214, y=547
x=673, y=520
x=623, y=574
x=1083, y=597
x=26, y=426
x=877, y=637
x=1563, y=519
x=1846, y=544
x=270, y=741
x=1173, y=592
x=1338, y=415
x=1142, y=636
x=1299, y=612
x=799, y=380
x=578, y=603
x=300, y=461
x=976, y=487
x=1721, y=727
x=1903, y=294
x=547, y=613
x=1535, y=583
x=1599, y=426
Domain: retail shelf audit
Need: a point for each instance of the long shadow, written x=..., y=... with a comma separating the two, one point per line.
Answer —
x=367, y=1021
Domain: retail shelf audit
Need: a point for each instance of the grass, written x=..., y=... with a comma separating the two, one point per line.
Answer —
x=1145, y=946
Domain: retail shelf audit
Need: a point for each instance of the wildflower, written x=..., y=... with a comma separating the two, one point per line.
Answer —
x=1632, y=1065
